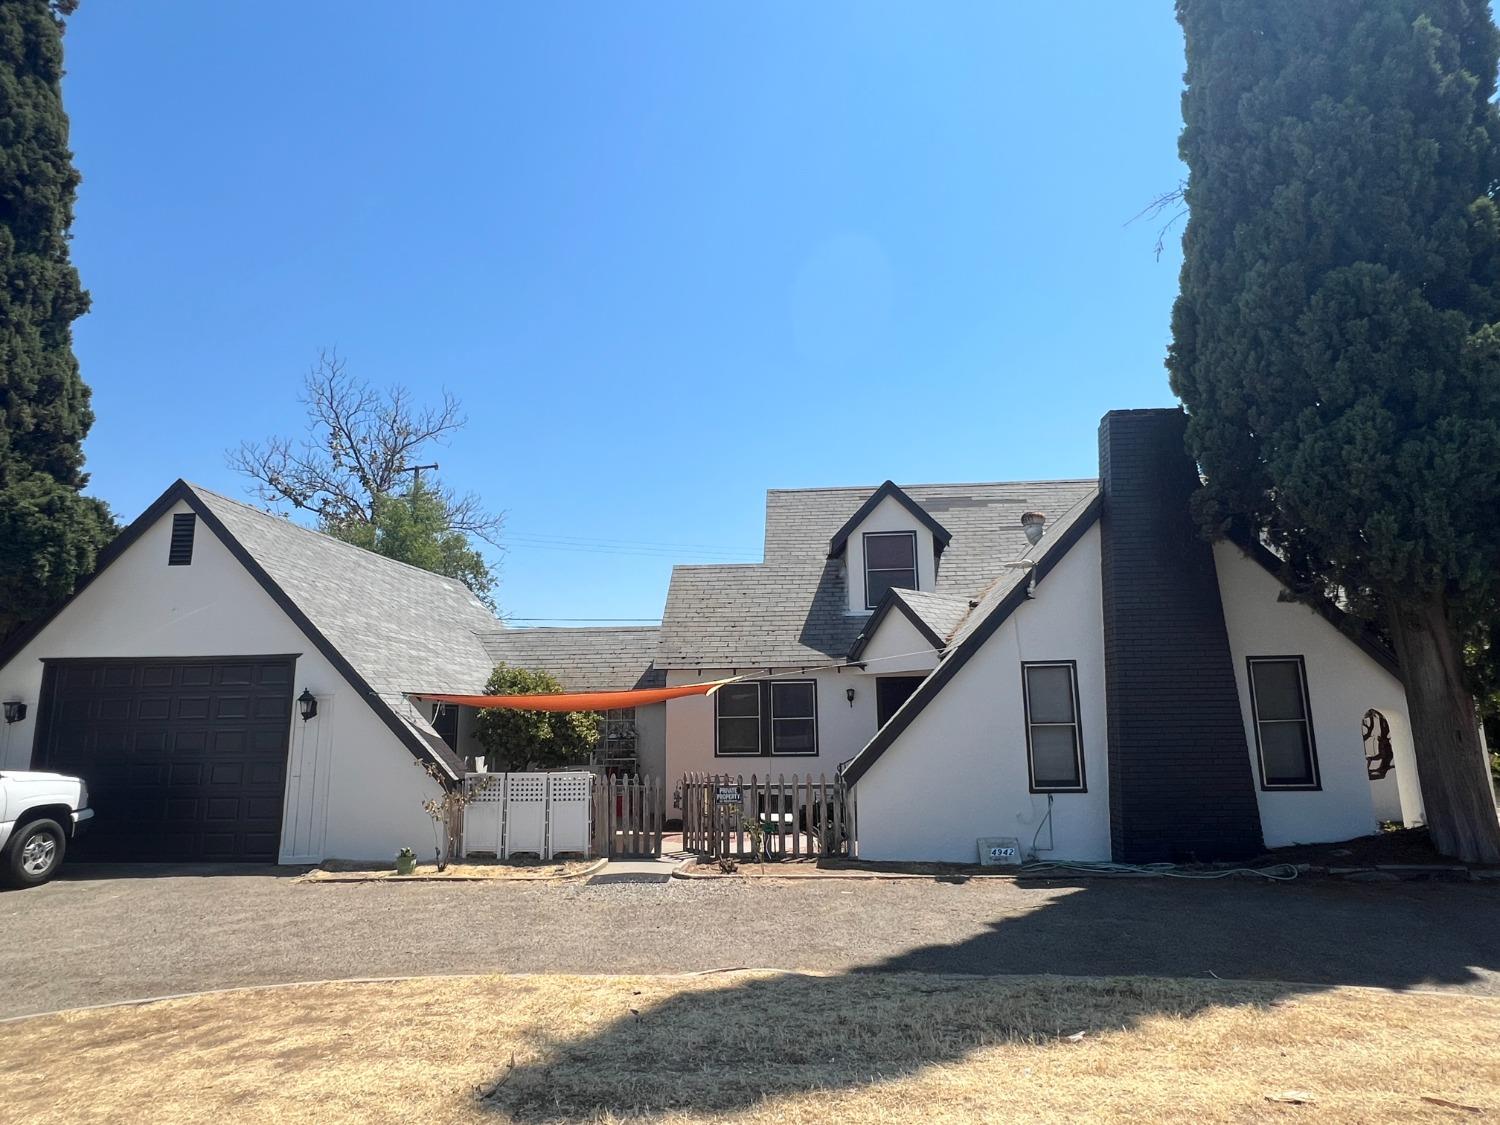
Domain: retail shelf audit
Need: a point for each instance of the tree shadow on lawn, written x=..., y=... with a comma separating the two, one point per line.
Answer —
x=714, y=1049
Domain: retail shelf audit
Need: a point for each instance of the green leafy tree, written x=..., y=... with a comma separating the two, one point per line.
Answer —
x=413, y=528
x=1337, y=336
x=50, y=533
x=518, y=740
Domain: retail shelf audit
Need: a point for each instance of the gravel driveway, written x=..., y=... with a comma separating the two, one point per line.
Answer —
x=105, y=934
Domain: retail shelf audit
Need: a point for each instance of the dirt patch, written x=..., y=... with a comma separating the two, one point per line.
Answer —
x=516, y=868
x=762, y=1047
x=1398, y=846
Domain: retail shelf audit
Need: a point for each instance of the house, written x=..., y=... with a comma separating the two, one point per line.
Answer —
x=1066, y=663
x=176, y=679
x=631, y=739
x=1063, y=663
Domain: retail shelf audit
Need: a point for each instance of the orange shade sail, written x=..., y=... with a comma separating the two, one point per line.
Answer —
x=575, y=700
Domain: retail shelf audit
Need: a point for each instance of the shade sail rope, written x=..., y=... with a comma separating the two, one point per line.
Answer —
x=641, y=697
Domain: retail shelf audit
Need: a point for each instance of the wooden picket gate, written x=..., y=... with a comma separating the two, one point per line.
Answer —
x=629, y=813
x=804, y=817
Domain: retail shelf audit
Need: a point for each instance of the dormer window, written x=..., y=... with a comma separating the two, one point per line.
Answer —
x=890, y=564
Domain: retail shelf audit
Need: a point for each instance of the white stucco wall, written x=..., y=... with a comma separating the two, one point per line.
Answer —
x=353, y=790
x=898, y=647
x=960, y=771
x=842, y=729
x=889, y=515
x=1342, y=684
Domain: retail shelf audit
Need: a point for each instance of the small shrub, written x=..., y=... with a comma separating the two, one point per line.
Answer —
x=728, y=865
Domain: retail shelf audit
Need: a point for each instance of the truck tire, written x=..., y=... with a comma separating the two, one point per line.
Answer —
x=34, y=853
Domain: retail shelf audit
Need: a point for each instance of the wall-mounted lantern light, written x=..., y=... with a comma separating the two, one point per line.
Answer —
x=15, y=710
x=849, y=695
x=307, y=705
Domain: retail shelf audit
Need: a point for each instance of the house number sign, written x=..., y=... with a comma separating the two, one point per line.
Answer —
x=999, y=851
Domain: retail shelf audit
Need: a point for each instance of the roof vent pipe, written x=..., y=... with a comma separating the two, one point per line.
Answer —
x=1033, y=524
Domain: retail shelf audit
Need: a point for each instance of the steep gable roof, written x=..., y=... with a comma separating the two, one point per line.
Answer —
x=793, y=609
x=587, y=659
x=1007, y=594
x=889, y=490
x=935, y=616
x=387, y=627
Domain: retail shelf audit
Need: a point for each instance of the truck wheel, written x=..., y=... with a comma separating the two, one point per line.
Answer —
x=35, y=853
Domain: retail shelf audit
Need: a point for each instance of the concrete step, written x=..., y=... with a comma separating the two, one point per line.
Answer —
x=635, y=871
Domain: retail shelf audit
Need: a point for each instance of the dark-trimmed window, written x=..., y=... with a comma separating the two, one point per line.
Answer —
x=737, y=711
x=1284, y=742
x=766, y=717
x=1054, y=734
x=890, y=564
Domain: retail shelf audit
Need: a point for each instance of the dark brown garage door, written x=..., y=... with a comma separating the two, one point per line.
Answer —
x=184, y=759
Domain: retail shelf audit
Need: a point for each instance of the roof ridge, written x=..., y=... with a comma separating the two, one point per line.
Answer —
x=287, y=521
x=939, y=484
x=511, y=630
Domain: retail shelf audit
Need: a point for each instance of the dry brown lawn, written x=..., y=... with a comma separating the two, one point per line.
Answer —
x=761, y=1047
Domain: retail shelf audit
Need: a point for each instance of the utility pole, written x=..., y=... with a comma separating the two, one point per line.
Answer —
x=416, y=479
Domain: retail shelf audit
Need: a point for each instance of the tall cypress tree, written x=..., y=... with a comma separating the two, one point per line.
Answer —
x=1337, y=336
x=49, y=533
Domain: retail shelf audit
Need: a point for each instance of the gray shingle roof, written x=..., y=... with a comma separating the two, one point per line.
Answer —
x=589, y=659
x=401, y=628
x=942, y=613
x=791, y=609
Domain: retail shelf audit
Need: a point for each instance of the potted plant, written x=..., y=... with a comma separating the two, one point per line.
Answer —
x=406, y=862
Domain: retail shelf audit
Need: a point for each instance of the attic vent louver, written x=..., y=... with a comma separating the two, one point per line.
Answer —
x=183, y=526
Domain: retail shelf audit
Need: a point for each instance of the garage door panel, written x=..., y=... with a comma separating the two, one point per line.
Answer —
x=223, y=743
x=231, y=707
x=193, y=708
x=149, y=742
x=118, y=676
x=157, y=676
x=185, y=760
x=189, y=741
x=262, y=808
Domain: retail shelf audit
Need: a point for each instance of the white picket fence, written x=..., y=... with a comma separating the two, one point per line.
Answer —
x=542, y=813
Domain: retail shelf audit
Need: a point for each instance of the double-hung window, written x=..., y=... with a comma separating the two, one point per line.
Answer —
x=1054, y=736
x=890, y=563
x=768, y=717
x=737, y=708
x=1283, y=723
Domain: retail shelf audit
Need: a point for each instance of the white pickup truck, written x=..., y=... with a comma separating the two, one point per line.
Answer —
x=39, y=814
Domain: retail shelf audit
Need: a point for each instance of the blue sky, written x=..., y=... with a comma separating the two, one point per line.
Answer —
x=669, y=255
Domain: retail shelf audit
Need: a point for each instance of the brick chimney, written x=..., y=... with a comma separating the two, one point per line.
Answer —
x=1180, y=782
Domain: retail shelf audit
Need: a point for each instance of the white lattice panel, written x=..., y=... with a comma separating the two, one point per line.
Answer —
x=528, y=812
x=568, y=797
x=527, y=788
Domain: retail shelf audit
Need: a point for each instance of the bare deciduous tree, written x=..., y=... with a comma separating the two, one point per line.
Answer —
x=362, y=443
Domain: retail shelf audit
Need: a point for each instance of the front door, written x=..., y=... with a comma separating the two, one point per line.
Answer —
x=890, y=693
